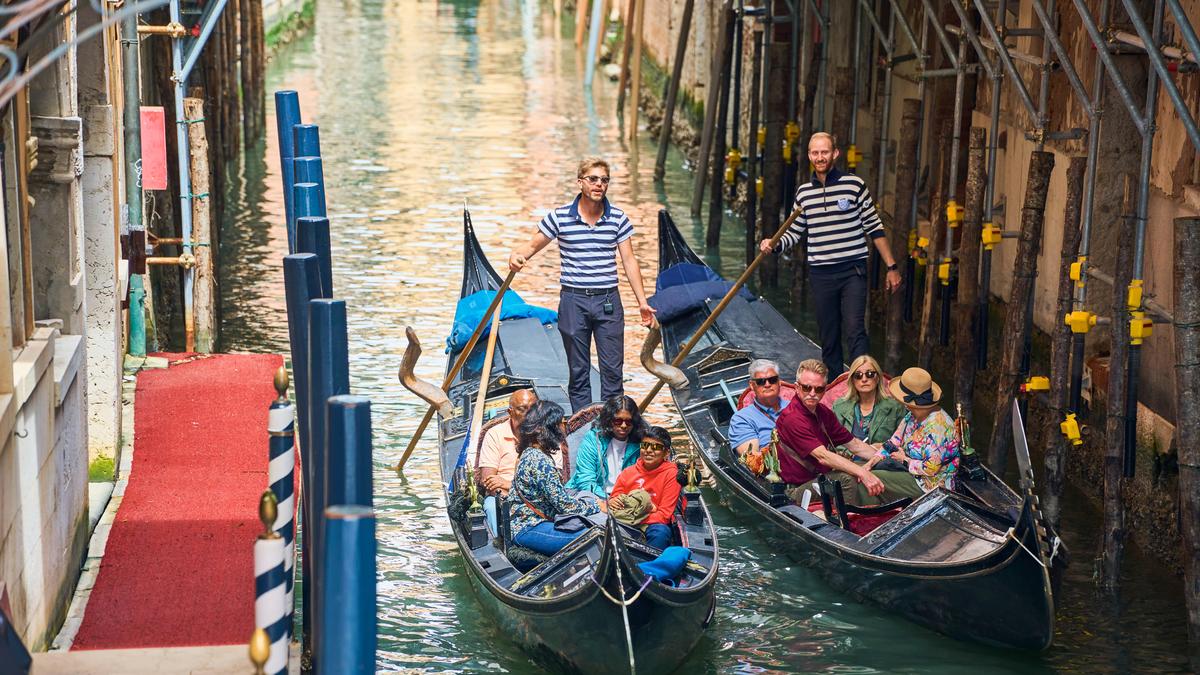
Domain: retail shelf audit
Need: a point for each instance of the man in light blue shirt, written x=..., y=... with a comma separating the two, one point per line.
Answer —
x=751, y=427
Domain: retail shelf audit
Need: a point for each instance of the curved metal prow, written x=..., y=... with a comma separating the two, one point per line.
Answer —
x=427, y=391
x=663, y=371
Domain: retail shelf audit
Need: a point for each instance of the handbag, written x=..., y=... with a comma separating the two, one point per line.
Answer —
x=563, y=522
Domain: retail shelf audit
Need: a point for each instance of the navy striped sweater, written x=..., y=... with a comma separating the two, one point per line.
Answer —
x=838, y=217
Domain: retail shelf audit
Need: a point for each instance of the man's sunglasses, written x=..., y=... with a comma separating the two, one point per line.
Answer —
x=764, y=381
x=866, y=375
x=594, y=180
x=810, y=389
x=649, y=446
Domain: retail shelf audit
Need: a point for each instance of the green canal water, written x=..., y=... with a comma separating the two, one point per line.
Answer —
x=427, y=105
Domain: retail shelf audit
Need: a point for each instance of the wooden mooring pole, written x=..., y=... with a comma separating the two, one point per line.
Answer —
x=968, y=273
x=205, y=285
x=716, y=203
x=930, y=309
x=1060, y=348
x=664, y=134
x=710, y=111
x=907, y=166
x=626, y=51
x=1187, y=388
x=635, y=86
x=752, y=237
x=1033, y=212
x=1113, y=533
x=582, y=8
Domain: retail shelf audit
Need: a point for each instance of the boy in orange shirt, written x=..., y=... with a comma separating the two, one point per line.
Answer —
x=654, y=474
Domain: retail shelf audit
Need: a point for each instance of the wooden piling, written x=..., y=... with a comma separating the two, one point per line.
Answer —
x=636, y=85
x=626, y=51
x=582, y=10
x=752, y=236
x=907, y=166
x=1187, y=388
x=843, y=99
x=710, y=112
x=1113, y=508
x=774, y=201
x=664, y=134
x=1041, y=165
x=204, y=286
x=930, y=309
x=1060, y=348
x=968, y=272
x=716, y=203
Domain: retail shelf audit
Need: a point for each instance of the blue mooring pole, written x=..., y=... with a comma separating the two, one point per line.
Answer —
x=348, y=471
x=348, y=596
x=302, y=283
x=306, y=201
x=312, y=236
x=306, y=140
x=287, y=116
x=308, y=170
x=328, y=375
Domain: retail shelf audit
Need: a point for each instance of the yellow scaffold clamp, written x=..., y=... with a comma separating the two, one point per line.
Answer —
x=1036, y=383
x=918, y=251
x=762, y=137
x=1078, y=269
x=954, y=213
x=1140, y=328
x=1071, y=429
x=758, y=186
x=991, y=236
x=791, y=134
x=853, y=157
x=1080, y=321
x=1134, y=298
x=733, y=161
x=943, y=271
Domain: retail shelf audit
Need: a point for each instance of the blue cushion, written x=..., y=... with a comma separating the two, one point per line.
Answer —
x=667, y=566
x=471, y=308
x=685, y=273
x=675, y=301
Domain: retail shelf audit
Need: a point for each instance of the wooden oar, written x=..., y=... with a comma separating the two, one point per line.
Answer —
x=712, y=317
x=458, y=364
x=480, y=400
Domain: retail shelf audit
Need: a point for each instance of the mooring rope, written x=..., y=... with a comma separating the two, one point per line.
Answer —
x=1011, y=534
x=624, y=608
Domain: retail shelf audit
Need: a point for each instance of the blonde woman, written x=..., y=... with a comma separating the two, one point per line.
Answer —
x=865, y=410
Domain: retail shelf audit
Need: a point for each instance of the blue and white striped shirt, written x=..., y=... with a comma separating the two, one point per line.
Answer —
x=838, y=217
x=589, y=254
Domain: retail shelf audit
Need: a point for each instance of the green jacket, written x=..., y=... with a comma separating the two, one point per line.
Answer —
x=591, y=470
x=885, y=417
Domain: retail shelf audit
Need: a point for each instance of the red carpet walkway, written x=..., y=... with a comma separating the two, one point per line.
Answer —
x=178, y=567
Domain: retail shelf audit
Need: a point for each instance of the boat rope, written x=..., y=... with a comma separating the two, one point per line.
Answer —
x=1011, y=534
x=624, y=608
x=1054, y=548
x=624, y=603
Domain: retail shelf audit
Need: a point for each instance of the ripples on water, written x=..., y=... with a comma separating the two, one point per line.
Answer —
x=426, y=105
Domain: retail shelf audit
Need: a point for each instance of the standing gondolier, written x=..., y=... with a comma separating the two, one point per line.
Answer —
x=838, y=218
x=590, y=232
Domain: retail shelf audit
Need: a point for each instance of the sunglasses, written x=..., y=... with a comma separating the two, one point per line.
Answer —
x=865, y=375
x=810, y=389
x=619, y=422
x=596, y=180
x=657, y=448
x=764, y=381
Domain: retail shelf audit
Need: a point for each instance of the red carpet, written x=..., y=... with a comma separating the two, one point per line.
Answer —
x=178, y=568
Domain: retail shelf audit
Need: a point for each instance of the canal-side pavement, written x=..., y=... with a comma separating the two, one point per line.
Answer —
x=168, y=581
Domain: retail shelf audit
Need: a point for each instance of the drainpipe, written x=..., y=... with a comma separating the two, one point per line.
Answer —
x=185, y=179
x=133, y=185
x=989, y=197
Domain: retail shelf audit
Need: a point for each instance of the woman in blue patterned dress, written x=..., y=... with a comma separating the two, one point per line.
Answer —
x=537, y=494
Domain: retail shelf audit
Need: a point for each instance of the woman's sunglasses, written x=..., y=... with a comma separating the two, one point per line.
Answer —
x=865, y=375
x=621, y=422
x=764, y=381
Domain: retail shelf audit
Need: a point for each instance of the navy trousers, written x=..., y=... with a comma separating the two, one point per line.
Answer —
x=840, y=301
x=580, y=319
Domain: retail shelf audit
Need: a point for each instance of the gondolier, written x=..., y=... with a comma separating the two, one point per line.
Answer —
x=590, y=232
x=838, y=218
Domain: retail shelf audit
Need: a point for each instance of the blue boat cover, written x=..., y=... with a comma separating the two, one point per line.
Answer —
x=683, y=288
x=471, y=308
x=667, y=566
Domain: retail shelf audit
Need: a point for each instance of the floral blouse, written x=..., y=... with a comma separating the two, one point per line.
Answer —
x=538, y=481
x=931, y=448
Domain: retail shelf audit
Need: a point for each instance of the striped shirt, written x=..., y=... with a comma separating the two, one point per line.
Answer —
x=589, y=253
x=838, y=218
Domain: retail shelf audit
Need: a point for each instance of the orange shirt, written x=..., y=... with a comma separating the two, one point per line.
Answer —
x=660, y=483
x=499, y=451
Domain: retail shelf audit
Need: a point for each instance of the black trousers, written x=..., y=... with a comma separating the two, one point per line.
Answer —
x=840, y=301
x=580, y=319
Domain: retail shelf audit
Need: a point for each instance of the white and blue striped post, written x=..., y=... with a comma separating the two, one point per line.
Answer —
x=347, y=641
x=281, y=474
x=270, y=588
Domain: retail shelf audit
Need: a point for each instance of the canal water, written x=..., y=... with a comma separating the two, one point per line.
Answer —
x=426, y=106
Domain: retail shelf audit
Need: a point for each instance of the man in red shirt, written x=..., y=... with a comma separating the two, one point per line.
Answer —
x=809, y=433
x=655, y=474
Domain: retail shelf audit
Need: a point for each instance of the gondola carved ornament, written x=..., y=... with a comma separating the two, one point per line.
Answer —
x=427, y=391
x=673, y=376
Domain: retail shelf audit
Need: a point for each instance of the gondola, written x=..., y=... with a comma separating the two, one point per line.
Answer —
x=976, y=564
x=589, y=608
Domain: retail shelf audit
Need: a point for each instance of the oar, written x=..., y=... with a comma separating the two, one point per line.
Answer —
x=712, y=317
x=458, y=364
x=480, y=400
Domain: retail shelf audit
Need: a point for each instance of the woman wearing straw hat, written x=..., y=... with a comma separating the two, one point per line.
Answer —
x=925, y=441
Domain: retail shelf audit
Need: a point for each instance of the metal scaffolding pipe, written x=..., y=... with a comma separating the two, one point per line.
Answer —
x=1131, y=39
x=1110, y=66
x=898, y=14
x=1186, y=29
x=910, y=268
x=1050, y=37
x=985, y=263
x=856, y=65
x=881, y=162
x=931, y=16
x=1035, y=61
x=951, y=193
x=1005, y=58
x=870, y=14
x=823, y=67
x=1164, y=75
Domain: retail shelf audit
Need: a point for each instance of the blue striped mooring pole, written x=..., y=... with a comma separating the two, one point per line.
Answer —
x=328, y=375
x=312, y=236
x=348, y=641
x=348, y=471
x=302, y=283
x=281, y=474
x=270, y=587
x=287, y=116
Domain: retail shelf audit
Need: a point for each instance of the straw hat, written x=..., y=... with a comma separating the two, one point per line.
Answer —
x=917, y=388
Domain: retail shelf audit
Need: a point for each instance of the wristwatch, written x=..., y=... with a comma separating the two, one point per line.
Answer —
x=893, y=267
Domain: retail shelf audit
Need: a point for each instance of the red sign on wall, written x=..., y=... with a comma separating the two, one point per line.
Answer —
x=154, y=148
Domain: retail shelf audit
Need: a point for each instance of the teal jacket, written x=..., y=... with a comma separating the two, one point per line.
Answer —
x=885, y=418
x=591, y=470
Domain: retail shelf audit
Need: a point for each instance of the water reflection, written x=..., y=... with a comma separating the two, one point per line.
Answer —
x=425, y=106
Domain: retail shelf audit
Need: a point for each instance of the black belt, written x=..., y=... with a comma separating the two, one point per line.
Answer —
x=589, y=291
